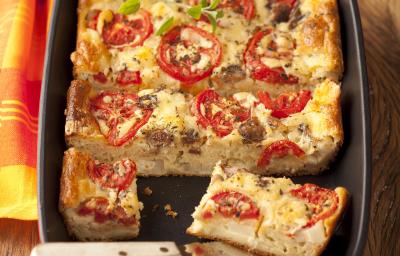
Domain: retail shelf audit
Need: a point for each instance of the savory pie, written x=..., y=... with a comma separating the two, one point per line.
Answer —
x=99, y=200
x=256, y=45
x=268, y=216
x=169, y=132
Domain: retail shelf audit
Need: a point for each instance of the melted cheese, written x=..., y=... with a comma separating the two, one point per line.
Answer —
x=280, y=229
x=233, y=32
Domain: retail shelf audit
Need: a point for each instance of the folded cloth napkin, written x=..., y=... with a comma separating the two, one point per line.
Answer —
x=23, y=30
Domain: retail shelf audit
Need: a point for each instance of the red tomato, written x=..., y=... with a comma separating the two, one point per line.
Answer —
x=279, y=148
x=121, y=216
x=253, y=59
x=127, y=31
x=96, y=206
x=117, y=176
x=198, y=251
x=234, y=204
x=324, y=202
x=100, y=77
x=287, y=2
x=285, y=104
x=127, y=77
x=185, y=47
x=245, y=7
x=91, y=19
x=112, y=110
x=228, y=111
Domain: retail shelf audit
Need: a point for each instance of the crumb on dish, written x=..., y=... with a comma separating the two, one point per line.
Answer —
x=169, y=212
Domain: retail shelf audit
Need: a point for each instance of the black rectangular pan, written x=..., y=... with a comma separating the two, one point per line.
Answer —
x=351, y=169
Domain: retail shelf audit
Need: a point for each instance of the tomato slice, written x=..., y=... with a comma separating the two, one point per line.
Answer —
x=119, y=175
x=189, y=54
x=98, y=207
x=127, y=77
x=287, y=2
x=324, y=202
x=218, y=112
x=263, y=45
x=118, y=115
x=91, y=18
x=100, y=77
x=285, y=104
x=245, y=7
x=128, y=30
x=234, y=204
x=279, y=148
x=121, y=216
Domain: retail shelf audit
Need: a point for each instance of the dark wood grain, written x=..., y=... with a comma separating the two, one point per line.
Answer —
x=381, y=26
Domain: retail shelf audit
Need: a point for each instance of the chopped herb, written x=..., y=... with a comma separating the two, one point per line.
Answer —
x=214, y=4
x=129, y=7
x=209, y=11
x=165, y=26
x=195, y=11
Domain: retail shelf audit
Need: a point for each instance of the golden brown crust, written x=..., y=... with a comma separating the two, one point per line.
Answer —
x=331, y=222
x=74, y=169
x=78, y=117
x=326, y=99
x=320, y=33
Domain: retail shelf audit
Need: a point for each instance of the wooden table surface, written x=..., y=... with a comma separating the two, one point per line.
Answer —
x=381, y=25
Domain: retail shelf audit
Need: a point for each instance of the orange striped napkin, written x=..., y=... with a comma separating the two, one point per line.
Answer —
x=23, y=30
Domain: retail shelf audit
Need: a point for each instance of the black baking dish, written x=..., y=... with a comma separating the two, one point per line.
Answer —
x=351, y=169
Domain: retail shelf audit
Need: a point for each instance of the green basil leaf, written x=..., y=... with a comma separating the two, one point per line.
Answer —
x=220, y=14
x=214, y=4
x=165, y=26
x=213, y=21
x=195, y=11
x=204, y=3
x=129, y=7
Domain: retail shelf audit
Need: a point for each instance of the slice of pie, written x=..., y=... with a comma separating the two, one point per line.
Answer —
x=268, y=216
x=170, y=132
x=99, y=200
x=257, y=45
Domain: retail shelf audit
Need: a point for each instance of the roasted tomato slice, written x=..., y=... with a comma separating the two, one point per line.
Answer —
x=323, y=202
x=119, y=175
x=218, y=112
x=96, y=206
x=245, y=7
x=118, y=115
x=189, y=54
x=127, y=77
x=288, y=2
x=279, y=148
x=100, y=77
x=91, y=18
x=285, y=104
x=129, y=30
x=121, y=216
x=262, y=49
x=234, y=204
